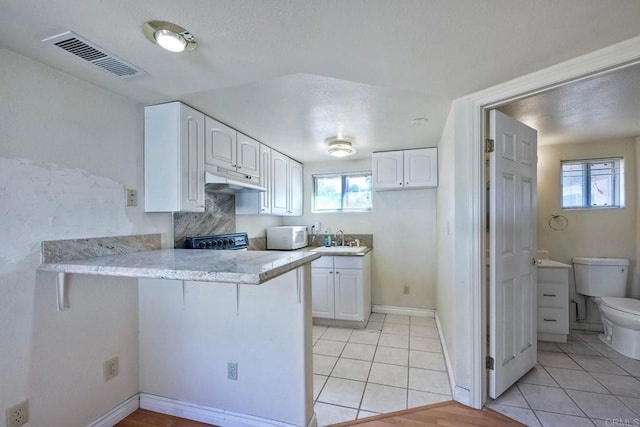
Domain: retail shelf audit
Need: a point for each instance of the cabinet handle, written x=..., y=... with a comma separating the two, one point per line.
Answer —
x=331, y=272
x=337, y=272
x=239, y=167
x=549, y=295
x=550, y=320
x=407, y=183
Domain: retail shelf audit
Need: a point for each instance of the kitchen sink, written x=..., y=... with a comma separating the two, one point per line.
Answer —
x=332, y=249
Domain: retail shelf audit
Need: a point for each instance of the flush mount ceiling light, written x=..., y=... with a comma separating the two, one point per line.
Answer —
x=169, y=36
x=340, y=147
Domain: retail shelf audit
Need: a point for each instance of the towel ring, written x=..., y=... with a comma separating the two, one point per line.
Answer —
x=558, y=222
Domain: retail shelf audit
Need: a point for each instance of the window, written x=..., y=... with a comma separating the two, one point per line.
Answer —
x=346, y=192
x=594, y=183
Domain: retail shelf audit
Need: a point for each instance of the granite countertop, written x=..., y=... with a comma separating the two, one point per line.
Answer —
x=240, y=267
x=336, y=250
x=549, y=263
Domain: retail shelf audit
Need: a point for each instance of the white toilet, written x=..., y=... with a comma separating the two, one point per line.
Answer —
x=605, y=280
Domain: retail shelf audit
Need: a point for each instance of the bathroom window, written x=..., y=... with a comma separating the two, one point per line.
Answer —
x=593, y=183
x=342, y=192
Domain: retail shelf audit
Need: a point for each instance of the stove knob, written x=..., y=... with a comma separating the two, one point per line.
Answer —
x=209, y=244
x=218, y=242
x=202, y=245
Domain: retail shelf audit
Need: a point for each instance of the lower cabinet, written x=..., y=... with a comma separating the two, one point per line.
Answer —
x=341, y=287
x=553, y=303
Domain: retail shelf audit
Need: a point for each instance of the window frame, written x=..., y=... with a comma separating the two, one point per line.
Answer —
x=617, y=187
x=344, y=176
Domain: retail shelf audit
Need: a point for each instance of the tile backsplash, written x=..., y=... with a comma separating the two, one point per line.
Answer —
x=219, y=217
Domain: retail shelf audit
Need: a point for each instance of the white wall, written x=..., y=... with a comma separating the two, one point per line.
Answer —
x=403, y=224
x=67, y=151
x=256, y=225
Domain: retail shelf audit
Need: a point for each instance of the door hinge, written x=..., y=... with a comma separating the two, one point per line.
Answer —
x=489, y=146
x=489, y=363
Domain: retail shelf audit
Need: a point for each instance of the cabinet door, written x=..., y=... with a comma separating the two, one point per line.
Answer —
x=421, y=168
x=387, y=170
x=220, y=144
x=295, y=188
x=191, y=160
x=322, y=292
x=248, y=156
x=279, y=183
x=348, y=294
x=265, y=179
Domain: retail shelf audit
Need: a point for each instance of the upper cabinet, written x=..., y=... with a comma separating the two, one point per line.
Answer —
x=258, y=203
x=286, y=185
x=406, y=169
x=231, y=150
x=173, y=158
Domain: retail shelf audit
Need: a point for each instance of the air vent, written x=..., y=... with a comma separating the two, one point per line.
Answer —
x=83, y=48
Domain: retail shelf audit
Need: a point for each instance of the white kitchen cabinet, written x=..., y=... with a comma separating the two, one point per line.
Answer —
x=286, y=185
x=341, y=288
x=258, y=203
x=553, y=302
x=173, y=158
x=231, y=150
x=406, y=169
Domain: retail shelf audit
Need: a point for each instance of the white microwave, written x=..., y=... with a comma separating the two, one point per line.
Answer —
x=287, y=238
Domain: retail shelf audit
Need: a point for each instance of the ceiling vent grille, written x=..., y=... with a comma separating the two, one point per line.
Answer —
x=81, y=47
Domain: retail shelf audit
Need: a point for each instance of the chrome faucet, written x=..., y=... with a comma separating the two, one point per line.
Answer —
x=341, y=237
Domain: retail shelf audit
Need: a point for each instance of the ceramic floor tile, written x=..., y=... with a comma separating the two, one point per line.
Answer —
x=426, y=380
x=426, y=360
x=359, y=351
x=342, y=392
x=391, y=340
x=632, y=403
x=574, y=347
x=548, y=346
x=377, y=317
x=601, y=406
x=423, y=321
x=374, y=326
x=392, y=375
x=523, y=415
x=630, y=365
x=328, y=348
x=425, y=344
x=539, y=376
x=322, y=365
x=618, y=384
x=511, y=397
x=397, y=318
x=382, y=398
x=352, y=369
x=549, y=419
x=576, y=380
x=394, y=328
x=318, y=383
x=394, y=356
x=604, y=349
x=423, y=332
x=365, y=336
x=318, y=331
x=366, y=414
x=557, y=360
x=549, y=399
x=587, y=336
x=331, y=414
x=337, y=334
x=598, y=364
x=420, y=398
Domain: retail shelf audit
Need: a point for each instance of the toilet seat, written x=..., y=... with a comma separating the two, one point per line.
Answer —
x=627, y=305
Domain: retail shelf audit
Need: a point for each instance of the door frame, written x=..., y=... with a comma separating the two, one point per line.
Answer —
x=472, y=123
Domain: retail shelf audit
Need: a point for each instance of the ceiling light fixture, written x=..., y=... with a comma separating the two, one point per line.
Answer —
x=420, y=121
x=340, y=147
x=169, y=36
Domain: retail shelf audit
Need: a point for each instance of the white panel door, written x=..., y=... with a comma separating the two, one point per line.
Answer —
x=295, y=188
x=322, y=293
x=348, y=290
x=248, y=155
x=279, y=183
x=512, y=290
x=192, y=159
x=220, y=144
x=387, y=170
x=265, y=179
x=421, y=168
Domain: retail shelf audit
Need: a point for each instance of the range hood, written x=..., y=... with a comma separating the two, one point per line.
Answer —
x=222, y=183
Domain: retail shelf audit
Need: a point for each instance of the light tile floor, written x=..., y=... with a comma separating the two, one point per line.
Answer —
x=395, y=363
x=581, y=383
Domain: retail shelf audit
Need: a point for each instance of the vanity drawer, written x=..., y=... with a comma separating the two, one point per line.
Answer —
x=552, y=295
x=554, y=320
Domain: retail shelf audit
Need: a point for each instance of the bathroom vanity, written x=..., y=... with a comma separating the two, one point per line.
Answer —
x=553, y=301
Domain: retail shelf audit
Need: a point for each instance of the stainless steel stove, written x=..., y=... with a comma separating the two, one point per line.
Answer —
x=233, y=241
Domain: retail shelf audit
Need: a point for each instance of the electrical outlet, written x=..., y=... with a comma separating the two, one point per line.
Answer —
x=18, y=415
x=132, y=197
x=232, y=371
x=110, y=368
x=406, y=290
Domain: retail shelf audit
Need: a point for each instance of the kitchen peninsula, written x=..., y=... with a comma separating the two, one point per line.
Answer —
x=224, y=336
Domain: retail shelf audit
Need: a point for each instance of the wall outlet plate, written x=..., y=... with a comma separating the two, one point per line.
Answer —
x=232, y=371
x=110, y=369
x=132, y=197
x=18, y=415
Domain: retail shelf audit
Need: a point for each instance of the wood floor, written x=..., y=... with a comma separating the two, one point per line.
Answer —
x=450, y=414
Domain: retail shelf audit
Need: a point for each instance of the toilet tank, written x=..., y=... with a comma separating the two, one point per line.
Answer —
x=601, y=277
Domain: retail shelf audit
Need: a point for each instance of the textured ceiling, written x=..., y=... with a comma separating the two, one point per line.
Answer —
x=293, y=73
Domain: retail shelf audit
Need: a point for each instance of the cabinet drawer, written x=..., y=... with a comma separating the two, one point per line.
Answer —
x=323, y=262
x=556, y=275
x=553, y=320
x=348, y=262
x=552, y=295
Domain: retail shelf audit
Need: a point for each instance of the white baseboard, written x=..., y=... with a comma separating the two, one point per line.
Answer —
x=447, y=360
x=405, y=311
x=118, y=413
x=207, y=414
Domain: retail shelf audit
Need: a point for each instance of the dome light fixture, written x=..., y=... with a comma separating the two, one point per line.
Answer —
x=169, y=36
x=340, y=147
